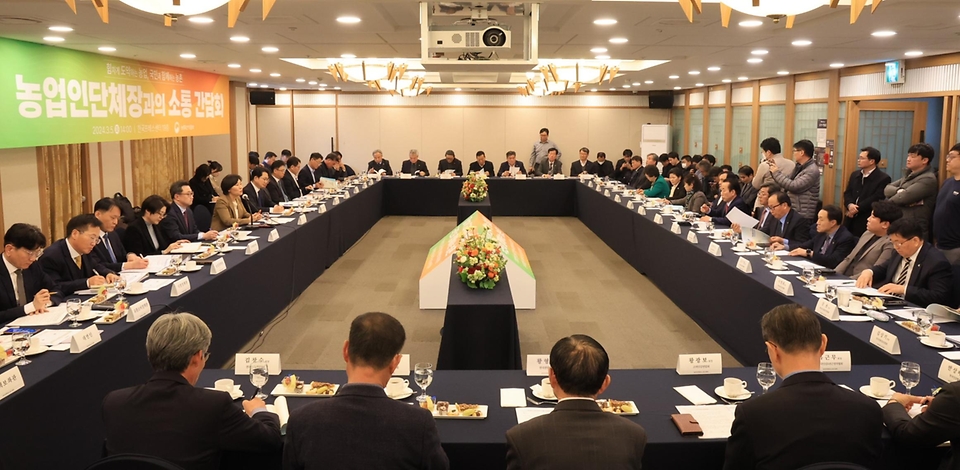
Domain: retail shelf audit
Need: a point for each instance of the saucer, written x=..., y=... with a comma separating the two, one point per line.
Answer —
x=195, y=269
x=235, y=394
x=775, y=268
x=723, y=394
x=406, y=393
x=36, y=349
x=866, y=391
x=851, y=311
x=538, y=393
x=91, y=315
x=135, y=292
x=926, y=342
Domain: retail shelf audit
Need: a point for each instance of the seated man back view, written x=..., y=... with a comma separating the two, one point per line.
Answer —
x=577, y=434
x=331, y=433
x=808, y=419
x=170, y=418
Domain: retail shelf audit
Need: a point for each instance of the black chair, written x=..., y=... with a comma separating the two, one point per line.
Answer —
x=203, y=217
x=133, y=462
x=834, y=466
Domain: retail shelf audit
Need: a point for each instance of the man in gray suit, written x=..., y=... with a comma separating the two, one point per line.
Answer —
x=551, y=165
x=874, y=247
x=577, y=434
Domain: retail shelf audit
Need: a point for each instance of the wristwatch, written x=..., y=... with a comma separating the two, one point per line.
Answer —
x=809, y=253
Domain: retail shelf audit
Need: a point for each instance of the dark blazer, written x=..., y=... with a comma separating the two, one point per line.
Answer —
x=34, y=280
x=273, y=188
x=326, y=172
x=290, y=186
x=103, y=256
x=863, y=192
x=59, y=265
x=137, y=239
x=505, y=167
x=405, y=436
x=929, y=429
x=841, y=246
x=175, y=228
x=203, y=193
x=169, y=418
x=543, y=168
x=679, y=194
x=487, y=167
x=763, y=225
x=590, y=167
x=576, y=435
x=420, y=166
x=718, y=212
x=749, y=194
x=796, y=229
x=622, y=176
x=456, y=165
x=931, y=281
x=262, y=202
x=307, y=177
x=605, y=169
x=808, y=419
x=636, y=180
x=383, y=165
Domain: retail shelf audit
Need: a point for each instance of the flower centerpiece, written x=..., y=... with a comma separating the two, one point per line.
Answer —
x=479, y=259
x=475, y=187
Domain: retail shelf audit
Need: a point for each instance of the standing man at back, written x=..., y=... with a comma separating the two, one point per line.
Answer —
x=577, y=434
x=541, y=148
x=327, y=433
x=803, y=184
x=771, y=151
x=864, y=188
x=916, y=192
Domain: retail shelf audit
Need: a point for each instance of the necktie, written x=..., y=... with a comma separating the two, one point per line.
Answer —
x=780, y=229
x=763, y=218
x=260, y=198
x=284, y=193
x=78, y=262
x=21, y=292
x=551, y=168
x=186, y=221
x=106, y=243
x=902, y=279
x=826, y=244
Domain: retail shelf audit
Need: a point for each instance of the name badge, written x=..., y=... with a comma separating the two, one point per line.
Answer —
x=714, y=249
x=10, y=381
x=252, y=248
x=828, y=310
x=244, y=362
x=744, y=265
x=616, y=198
x=692, y=237
x=885, y=340
x=657, y=219
x=675, y=228
x=218, y=266
x=949, y=372
x=699, y=364
x=274, y=236
x=403, y=368
x=642, y=210
x=138, y=310
x=606, y=193
x=83, y=339
x=630, y=204
x=538, y=365
x=180, y=287
x=302, y=219
x=783, y=286
x=835, y=361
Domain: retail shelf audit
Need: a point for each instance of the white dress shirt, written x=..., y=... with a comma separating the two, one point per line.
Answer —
x=908, y=264
x=28, y=307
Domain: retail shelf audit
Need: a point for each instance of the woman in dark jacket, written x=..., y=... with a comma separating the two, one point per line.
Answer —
x=143, y=236
x=202, y=186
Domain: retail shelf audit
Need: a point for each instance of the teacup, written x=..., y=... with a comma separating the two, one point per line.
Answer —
x=937, y=338
x=85, y=309
x=778, y=265
x=734, y=387
x=844, y=297
x=397, y=386
x=819, y=286
x=855, y=306
x=546, y=388
x=136, y=286
x=224, y=385
x=190, y=265
x=880, y=386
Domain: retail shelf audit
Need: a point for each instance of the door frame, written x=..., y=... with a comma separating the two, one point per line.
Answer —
x=852, y=148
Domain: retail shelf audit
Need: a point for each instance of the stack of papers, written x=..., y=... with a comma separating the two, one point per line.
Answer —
x=55, y=316
x=695, y=395
x=157, y=263
x=526, y=414
x=715, y=420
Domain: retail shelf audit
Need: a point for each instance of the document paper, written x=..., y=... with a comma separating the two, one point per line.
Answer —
x=715, y=420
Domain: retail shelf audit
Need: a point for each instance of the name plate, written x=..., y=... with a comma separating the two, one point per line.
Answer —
x=599, y=188
x=783, y=286
x=642, y=210
x=949, y=372
x=180, y=287
x=630, y=204
x=538, y=365
x=243, y=363
x=274, y=236
x=520, y=176
x=346, y=195
x=714, y=249
x=252, y=248
x=218, y=266
x=590, y=184
x=302, y=219
x=138, y=310
x=657, y=219
x=692, y=237
x=336, y=200
x=356, y=190
x=559, y=176
x=322, y=209
x=446, y=176
x=699, y=364
x=403, y=368
x=675, y=228
x=406, y=176
x=828, y=310
x=606, y=193
x=85, y=338
x=616, y=198
x=744, y=265
x=885, y=340
x=835, y=361
x=10, y=381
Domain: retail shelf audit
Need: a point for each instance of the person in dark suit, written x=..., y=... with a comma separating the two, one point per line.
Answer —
x=675, y=179
x=788, y=227
x=865, y=187
x=577, y=434
x=257, y=197
x=808, y=419
x=379, y=163
x=549, y=166
x=289, y=180
x=343, y=167
x=308, y=177
x=604, y=166
x=331, y=168
x=832, y=243
x=253, y=160
x=143, y=236
x=450, y=162
x=918, y=272
x=694, y=197
x=202, y=186
x=729, y=198
x=512, y=162
x=934, y=426
x=275, y=182
x=26, y=289
x=673, y=161
x=761, y=212
x=414, y=165
x=874, y=246
x=583, y=165
x=481, y=164
x=179, y=223
x=405, y=436
x=637, y=179
x=110, y=252
x=623, y=169
x=69, y=262
x=745, y=174
x=169, y=417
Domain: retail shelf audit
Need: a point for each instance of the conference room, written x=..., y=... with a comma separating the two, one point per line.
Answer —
x=323, y=234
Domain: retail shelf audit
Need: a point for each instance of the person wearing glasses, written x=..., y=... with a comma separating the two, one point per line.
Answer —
x=143, y=236
x=181, y=225
x=171, y=418
x=69, y=262
x=26, y=289
x=110, y=251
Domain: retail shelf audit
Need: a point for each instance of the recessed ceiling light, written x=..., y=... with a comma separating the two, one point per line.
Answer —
x=694, y=72
x=200, y=19
x=598, y=50
x=626, y=85
x=801, y=42
x=187, y=55
x=252, y=84
x=348, y=56
x=300, y=80
x=53, y=39
x=602, y=57
x=336, y=88
x=594, y=90
x=913, y=53
x=883, y=34
x=674, y=77
x=283, y=89
x=348, y=20
x=726, y=80
x=751, y=23
x=783, y=72
x=836, y=65
x=759, y=52
x=255, y=70
x=649, y=82
x=699, y=84
x=613, y=89
x=264, y=86
x=618, y=40
x=743, y=78
x=676, y=88
x=274, y=74
x=239, y=39
x=605, y=22
x=323, y=85
x=61, y=29
x=107, y=49
x=456, y=89
x=713, y=69
x=312, y=82
x=754, y=60
x=636, y=83
x=233, y=66
x=269, y=49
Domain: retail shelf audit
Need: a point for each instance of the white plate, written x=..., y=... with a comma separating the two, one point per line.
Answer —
x=636, y=411
x=36, y=349
x=926, y=342
x=102, y=321
x=538, y=393
x=783, y=268
x=851, y=311
x=135, y=292
x=723, y=394
x=281, y=391
x=91, y=315
x=406, y=393
x=195, y=269
x=235, y=394
x=483, y=414
x=865, y=389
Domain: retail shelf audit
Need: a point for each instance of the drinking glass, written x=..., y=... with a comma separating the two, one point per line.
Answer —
x=259, y=376
x=711, y=226
x=423, y=375
x=177, y=261
x=768, y=254
x=120, y=284
x=924, y=320
x=831, y=292
x=21, y=344
x=73, y=310
x=909, y=375
x=735, y=238
x=766, y=376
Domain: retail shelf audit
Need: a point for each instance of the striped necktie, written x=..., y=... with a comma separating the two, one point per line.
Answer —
x=902, y=279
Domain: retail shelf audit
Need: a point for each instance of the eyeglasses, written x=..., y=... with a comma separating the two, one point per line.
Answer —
x=35, y=254
x=187, y=194
x=206, y=355
x=899, y=244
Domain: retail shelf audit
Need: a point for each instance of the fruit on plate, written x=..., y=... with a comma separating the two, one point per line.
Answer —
x=616, y=406
x=321, y=388
x=292, y=384
x=428, y=404
x=101, y=295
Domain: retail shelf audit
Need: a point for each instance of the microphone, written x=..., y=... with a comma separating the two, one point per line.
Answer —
x=246, y=205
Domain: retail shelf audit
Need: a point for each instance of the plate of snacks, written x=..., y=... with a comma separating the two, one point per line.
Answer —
x=111, y=318
x=447, y=410
x=619, y=407
x=292, y=386
x=206, y=254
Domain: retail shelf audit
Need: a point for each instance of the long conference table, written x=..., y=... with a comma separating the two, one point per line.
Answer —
x=54, y=420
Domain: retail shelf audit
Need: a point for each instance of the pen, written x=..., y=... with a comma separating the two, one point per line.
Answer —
x=95, y=272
